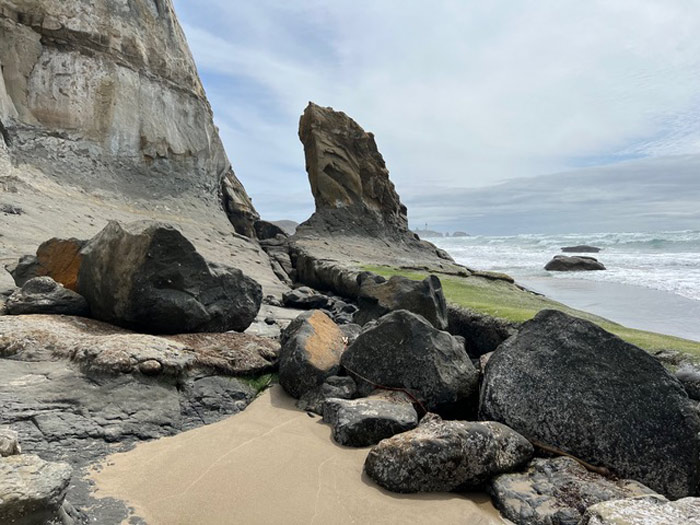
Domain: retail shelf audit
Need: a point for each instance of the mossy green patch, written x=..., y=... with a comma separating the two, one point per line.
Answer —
x=500, y=298
x=261, y=382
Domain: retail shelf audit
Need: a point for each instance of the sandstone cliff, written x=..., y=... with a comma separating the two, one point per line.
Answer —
x=103, y=116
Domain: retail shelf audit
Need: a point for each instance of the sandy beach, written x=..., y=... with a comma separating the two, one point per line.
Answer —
x=270, y=464
x=632, y=306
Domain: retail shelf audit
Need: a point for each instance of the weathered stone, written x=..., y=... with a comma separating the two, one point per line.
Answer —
x=31, y=489
x=404, y=350
x=570, y=384
x=148, y=276
x=482, y=333
x=305, y=298
x=9, y=443
x=365, y=422
x=689, y=376
x=311, y=348
x=378, y=297
x=333, y=387
x=556, y=492
x=60, y=259
x=268, y=230
x=581, y=248
x=43, y=295
x=442, y=456
x=150, y=367
x=648, y=510
x=563, y=263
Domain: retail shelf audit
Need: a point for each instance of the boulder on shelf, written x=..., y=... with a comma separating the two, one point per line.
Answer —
x=581, y=248
x=57, y=258
x=378, y=296
x=43, y=295
x=267, y=230
x=403, y=350
x=564, y=263
x=442, y=456
x=147, y=276
x=311, y=348
x=305, y=298
x=365, y=422
x=31, y=489
x=482, y=333
x=647, y=510
x=556, y=491
x=603, y=400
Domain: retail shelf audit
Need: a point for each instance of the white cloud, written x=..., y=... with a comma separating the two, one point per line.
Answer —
x=458, y=93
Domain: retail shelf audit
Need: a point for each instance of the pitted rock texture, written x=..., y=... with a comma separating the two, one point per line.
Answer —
x=556, y=492
x=31, y=489
x=43, y=295
x=570, y=384
x=148, y=276
x=311, y=348
x=442, y=456
x=647, y=510
x=403, y=350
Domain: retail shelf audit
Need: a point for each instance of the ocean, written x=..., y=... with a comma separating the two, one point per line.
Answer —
x=652, y=280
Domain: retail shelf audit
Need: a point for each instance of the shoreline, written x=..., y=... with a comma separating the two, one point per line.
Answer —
x=261, y=466
x=631, y=306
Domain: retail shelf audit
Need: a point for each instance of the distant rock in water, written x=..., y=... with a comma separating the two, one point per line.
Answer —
x=428, y=233
x=564, y=263
x=582, y=248
x=460, y=234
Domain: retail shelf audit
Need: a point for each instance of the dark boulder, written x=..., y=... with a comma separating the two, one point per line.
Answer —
x=340, y=387
x=403, y=350
x=482, y=333
x=570, y=384
x=147, y=276
x=267, y=230
x=442, y=456
x=689, y=376
x=31, y=489
x=43, y=295
x=305, y=298
x=378, y=296
x=581, y=248
x=311, y=348
x=564, y=263
x=556, y=492
x=365, y=422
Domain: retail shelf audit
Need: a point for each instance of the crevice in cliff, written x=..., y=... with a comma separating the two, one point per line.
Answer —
x=5, y=134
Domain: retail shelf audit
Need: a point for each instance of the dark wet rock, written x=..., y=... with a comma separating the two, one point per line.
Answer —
x=333, y=387
x=689, y=376
x=267, y=230
x=365, y=422
x=563, y=263
x=43, y=295
x=147, y=276
x=9, y=443
x=581, y=248
x=31, y=489
x=378, y=296
x=482, y=333
x=570, y=384
x=325, y=275
x=57, y=258
x=311, y=348
x=442, y=456
x=305, y=298
x=648, y=510
x=404, y=350
x=556, y=492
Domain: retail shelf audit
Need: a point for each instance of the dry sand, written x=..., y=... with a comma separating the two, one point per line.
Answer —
x=270, y=464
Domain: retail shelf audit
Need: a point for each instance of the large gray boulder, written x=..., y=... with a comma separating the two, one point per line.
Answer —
x=403, y=350
x=378, y=296
x=441, y=456
x=147, y=276
x=311, y=348
x=570, y=384
x=581, y=263
x=31, y=489
x=648, y=510
x=333, y=387
x=365, y=422
x=556, y=492
x=43, y=295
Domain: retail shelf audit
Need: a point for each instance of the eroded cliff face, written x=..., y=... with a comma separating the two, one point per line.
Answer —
x=104, y=94
x=103, y=116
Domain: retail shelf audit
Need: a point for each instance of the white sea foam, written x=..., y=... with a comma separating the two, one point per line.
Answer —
x=667, y=261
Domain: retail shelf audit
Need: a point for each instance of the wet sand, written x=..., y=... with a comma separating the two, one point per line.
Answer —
x=269, y=464
x=632, y=306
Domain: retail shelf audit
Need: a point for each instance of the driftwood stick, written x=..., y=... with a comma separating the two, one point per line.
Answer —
x=603, y=471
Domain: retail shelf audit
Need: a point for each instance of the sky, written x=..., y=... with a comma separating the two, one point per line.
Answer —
x=466, y=99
